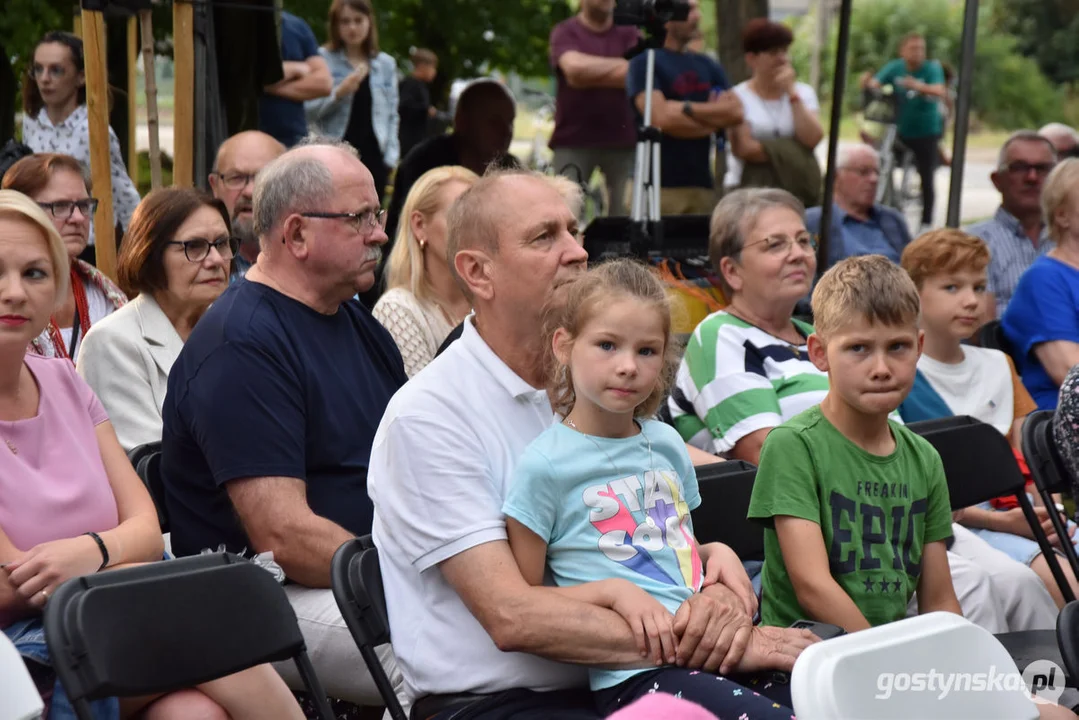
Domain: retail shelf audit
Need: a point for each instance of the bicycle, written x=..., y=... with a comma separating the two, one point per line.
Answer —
x=593, y=194
x=882, y=107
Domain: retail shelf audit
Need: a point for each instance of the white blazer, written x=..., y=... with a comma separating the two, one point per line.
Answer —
x=126, y=358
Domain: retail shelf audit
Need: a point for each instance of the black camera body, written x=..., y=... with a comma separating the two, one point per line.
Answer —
x=650, y=13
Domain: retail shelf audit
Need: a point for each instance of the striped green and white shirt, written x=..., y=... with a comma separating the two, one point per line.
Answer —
x=736, y=379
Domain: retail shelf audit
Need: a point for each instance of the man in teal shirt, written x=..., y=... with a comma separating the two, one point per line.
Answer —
x=921, y=124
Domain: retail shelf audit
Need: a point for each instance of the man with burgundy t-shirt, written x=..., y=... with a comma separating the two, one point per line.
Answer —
x=594, y=125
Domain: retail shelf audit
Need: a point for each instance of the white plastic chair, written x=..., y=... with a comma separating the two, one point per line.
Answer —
x=937, y=666
x=19, y=699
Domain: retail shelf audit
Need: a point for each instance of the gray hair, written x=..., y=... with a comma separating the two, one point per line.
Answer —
x=737, y=213
x=1057, y=192
x=293, y=183
x=847, y=153
x=1022, y=136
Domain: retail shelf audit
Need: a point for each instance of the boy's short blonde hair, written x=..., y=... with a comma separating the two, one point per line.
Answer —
x=866, y=286
x=944, y=251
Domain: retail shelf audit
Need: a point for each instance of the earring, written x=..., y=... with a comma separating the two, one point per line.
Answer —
x=423, y=244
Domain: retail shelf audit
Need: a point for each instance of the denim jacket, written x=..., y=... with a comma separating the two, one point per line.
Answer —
x=329, y=115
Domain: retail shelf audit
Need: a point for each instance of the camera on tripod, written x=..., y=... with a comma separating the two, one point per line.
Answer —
x=650, y=13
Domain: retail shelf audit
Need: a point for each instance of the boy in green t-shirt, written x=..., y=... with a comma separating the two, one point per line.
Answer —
x=855, y=506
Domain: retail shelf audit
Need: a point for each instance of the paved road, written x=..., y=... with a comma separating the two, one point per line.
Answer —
x=979, y=198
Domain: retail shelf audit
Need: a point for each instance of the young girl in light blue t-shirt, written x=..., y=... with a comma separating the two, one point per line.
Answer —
x=604, y=498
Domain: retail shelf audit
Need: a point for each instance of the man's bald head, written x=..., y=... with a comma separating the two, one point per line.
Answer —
x=484, y=121
x=1064, y=138
x=239, y=159
x=246, y=148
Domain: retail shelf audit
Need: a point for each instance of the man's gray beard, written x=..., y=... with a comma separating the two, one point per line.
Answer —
x=244, y=232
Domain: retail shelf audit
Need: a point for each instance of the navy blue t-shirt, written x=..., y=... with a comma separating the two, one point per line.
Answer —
x=680, y=76
x=267, y=386
x=281, y=118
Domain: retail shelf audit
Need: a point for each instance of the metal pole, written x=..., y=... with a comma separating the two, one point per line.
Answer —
x=962, y=111
x=839, y=85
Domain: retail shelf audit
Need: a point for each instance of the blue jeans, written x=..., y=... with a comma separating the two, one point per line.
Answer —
x=28, y=636
x=1017, y=547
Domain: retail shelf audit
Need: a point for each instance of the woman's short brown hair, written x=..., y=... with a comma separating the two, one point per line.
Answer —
x=140, y=267
x=33, y=173
x=763, y=35
x=370, y=45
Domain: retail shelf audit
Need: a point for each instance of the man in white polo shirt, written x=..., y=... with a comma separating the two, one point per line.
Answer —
x=462, y=618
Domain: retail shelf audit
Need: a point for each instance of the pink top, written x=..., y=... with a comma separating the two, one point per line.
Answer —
x=659, y=705
x=55, y=486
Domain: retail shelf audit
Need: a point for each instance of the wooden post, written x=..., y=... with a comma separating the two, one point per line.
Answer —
x=150, y=74
x=97, y=106
x=183, y=53
x=132, y=96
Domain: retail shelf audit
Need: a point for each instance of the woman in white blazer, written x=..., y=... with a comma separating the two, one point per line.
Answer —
x=175, y=257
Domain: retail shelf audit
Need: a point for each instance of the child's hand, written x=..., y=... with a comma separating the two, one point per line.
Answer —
x=721, y=565
x=650, y=621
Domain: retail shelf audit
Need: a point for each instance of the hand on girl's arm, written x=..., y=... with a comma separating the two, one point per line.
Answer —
x=723, y=566
x=935, y=590
x=646, y=616
x=806, y=560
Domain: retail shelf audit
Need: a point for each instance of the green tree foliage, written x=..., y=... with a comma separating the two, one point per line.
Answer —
x=1009, y=90
x=469, y=36
x=1046, y=30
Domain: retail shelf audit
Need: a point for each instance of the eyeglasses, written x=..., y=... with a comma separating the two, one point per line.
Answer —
x=56, y=72
x=196, y=249
x=365, y=221
x=1069, y=153
x=64, y=209
x=862, y=171
x=1021, y=168
x=236, y=180
x=782, y=244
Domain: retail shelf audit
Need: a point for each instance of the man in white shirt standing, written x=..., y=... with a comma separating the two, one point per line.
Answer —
x=462, y=618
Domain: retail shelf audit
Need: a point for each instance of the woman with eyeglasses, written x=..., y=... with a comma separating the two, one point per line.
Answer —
x=174, y=262
x=1042, y=318
x=55, y=119
x=57, y=184
x=746, y=368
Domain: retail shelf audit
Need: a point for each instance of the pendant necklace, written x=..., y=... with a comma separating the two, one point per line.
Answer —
x=650, y=490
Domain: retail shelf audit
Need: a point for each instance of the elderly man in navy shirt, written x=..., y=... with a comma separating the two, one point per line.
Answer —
x=274, y=400
x=860, y=227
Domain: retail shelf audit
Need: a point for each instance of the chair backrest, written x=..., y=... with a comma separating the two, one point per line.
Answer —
x=1068, y=637
x=356, y=580
x=1040, y=449
x=978, y=461
x=726, y=489
x=933, y=666
x=991, y=335
x=19, y=699
x=146, y=459
x=168, y=625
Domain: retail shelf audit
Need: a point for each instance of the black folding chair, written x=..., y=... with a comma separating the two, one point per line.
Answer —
x=991, y=335
x=146, y=459
x=1049, y=473
x=357, y=587
x=979, y=465
x=169, y=625
x=1068, y=637
x=726, y=489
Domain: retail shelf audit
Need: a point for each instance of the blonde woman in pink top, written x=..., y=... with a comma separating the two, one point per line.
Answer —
x=70, y=503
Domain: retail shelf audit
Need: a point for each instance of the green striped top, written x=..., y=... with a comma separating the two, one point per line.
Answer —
x=736, y=379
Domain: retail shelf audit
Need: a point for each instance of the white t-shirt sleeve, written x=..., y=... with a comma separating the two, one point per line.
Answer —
x=809, y=97
x=434, y=489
